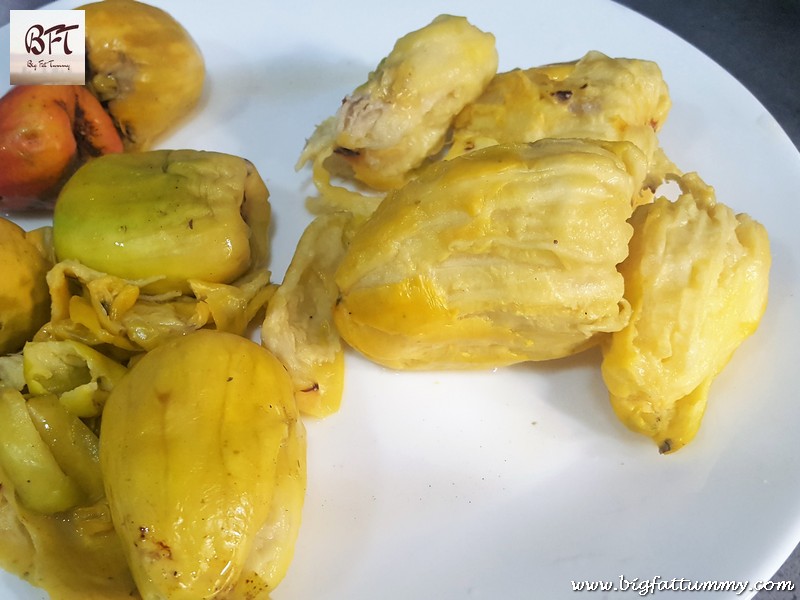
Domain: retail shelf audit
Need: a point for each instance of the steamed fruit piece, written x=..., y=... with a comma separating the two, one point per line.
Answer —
x=54, y=524
x=143, y=66
x=697, y=280
x=169, y=216
x=48, y=454
x=72, y=555
x=24, y=296
x=595, y=97
x=396, y=119
x=37, y=477
x=80, y=376
x=46, y=132
x=203, y=458
x=117, y=314
x=298, y=326
x=499, y=256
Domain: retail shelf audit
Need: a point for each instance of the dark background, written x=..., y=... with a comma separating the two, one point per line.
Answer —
x=757, y=41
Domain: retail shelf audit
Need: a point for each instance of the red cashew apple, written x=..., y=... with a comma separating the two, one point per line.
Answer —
x=46, y=133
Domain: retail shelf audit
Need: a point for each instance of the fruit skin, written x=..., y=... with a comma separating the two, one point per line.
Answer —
x=143, y=66
x=401, y=115
x=502, y=255
x=697, y=278
x=28, y=461
x=24, y=295
x=46, y=132
x=203, y=458
x=298, y=326
x=169, y=216
x=80, y=376
x=594, y=97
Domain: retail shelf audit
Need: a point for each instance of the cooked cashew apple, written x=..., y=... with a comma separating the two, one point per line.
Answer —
x=70, y=555
x=80, y=376
x=50, y=455
x=203, y=458
x=502, y=255
x=24, y=295
x=298, y=326
x=697, y=279
x=400, y=116
x=170, y=216
x=73, y=444
x=40, y=483
x=46, y=132
x=104, y=310
x=144, y=67
x=595, y=97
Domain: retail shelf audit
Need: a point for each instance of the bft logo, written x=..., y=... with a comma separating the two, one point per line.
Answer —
x=48, y=47
x=38, y=39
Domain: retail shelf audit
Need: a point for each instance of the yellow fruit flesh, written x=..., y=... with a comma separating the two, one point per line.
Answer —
x=390, y=124
x=697, y=280
x=194, y=456
x=298, y=326
x=144, y=66
x=165, y=215
x=502, y=255
x=24, y=296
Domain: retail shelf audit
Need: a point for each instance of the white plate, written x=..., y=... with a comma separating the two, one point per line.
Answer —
x=511, y=484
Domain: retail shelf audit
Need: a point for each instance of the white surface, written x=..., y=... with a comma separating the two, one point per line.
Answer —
x=510, y=484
